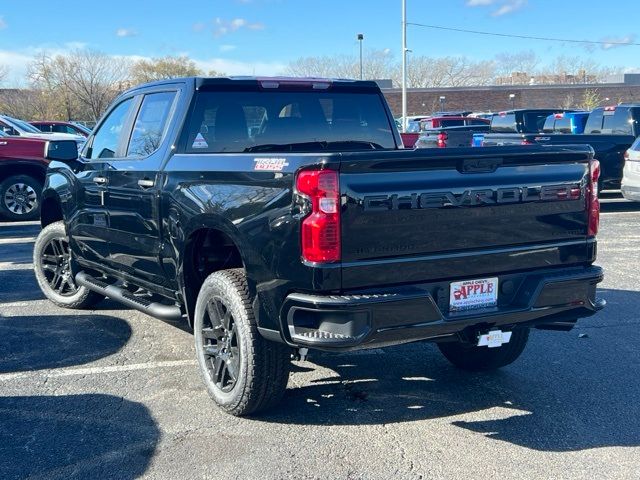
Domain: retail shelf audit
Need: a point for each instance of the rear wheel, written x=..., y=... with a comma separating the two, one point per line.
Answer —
x=243, y=372
x=468, y=356
x=52, y=266
x=20, y=198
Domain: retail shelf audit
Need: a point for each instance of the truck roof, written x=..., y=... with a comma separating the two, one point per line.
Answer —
x=266, y=82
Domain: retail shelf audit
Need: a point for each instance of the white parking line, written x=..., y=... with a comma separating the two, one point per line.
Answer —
x=67, y=372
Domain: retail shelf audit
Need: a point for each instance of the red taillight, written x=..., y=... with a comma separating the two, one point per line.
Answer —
x=526, y=142
x=321, y=228
x=442, y=140
x=593, y=202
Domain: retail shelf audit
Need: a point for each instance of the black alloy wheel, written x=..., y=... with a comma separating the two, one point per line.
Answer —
x=56, y=266
x=220, y=345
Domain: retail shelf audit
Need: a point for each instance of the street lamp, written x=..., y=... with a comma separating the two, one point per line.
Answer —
x=360, y=39
x=443, y=99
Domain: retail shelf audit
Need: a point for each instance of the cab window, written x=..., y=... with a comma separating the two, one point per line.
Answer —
x=110, y=134
x=149, y=127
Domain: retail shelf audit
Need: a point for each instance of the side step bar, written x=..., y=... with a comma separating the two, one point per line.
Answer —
x=155, y=309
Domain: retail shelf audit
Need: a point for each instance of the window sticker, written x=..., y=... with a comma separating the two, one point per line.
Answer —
x=199, y=142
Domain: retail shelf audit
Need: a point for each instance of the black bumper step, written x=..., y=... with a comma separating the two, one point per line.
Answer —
x=155, y=309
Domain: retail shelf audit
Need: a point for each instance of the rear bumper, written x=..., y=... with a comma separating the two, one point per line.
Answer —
x=549, y=299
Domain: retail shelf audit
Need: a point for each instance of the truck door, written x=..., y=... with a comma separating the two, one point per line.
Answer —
x=133, y=190
x=89, y=225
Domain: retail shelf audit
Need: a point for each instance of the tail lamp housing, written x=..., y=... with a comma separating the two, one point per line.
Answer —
x=442, y=139
x=593, y=202
x=320, y=229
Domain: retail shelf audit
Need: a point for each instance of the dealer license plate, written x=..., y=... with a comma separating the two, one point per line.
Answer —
x=472, y=294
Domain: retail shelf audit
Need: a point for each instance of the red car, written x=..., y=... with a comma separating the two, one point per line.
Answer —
x=62, y=127
x=434, y=123
x=22, y=171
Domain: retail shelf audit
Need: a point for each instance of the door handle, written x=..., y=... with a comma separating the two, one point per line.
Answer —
x=100, y=180
x=146, y=183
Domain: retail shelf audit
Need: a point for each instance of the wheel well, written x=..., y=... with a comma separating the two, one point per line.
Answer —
x=10, y=169
x=50, y=212
x=206, y=251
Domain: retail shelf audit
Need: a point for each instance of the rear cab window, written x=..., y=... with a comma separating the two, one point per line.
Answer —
x=504, y=123
x=286, y=119
x=617, y=121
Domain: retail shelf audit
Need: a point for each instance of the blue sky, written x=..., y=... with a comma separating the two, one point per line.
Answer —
x=262, y=36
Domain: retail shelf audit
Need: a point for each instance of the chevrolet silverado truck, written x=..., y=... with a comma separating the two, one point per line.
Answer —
x=22, y=171
x=610, y=131
x=280, y=215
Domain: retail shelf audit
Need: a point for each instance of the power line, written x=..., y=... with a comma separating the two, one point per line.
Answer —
x=526, y=37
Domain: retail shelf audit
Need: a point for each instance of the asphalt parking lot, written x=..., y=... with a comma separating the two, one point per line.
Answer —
x=113, y=393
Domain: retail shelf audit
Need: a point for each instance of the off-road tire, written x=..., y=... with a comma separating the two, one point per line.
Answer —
x=79, y=298
x=468, y=356
x=262, y=367
x=29, y=189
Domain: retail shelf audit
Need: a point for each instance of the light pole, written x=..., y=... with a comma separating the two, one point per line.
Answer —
x=360, y=39
x=443, y=99
x=404, y=65
x=512, y=97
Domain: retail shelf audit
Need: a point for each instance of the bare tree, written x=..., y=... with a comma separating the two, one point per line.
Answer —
x=4, y=72
x=92, y=79
x=516, y=62
x=590, y=99
x=144, y=71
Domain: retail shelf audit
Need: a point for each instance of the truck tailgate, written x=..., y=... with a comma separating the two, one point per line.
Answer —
x=425, y=215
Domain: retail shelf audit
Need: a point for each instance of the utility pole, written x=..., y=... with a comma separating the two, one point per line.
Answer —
x=360, y=39
x=404, y=65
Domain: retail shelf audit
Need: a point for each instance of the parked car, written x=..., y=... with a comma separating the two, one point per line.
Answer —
x=530, y=120
x=62, y=127
x=22, y=172
x=462, y=136
x=433, y=124
x=567, y=123
x=610, y=131
x=631, y=173
x=318, y=232
x=19, y=128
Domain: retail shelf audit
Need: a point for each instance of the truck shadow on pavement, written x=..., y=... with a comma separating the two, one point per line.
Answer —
x=75, y=436
x=569, y=391
x=51, y=341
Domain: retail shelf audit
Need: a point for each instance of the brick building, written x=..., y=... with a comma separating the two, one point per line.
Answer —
x=497, y=98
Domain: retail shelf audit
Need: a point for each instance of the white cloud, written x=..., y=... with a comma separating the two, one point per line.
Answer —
x=500, y=7
x=126, y=32
x=617, y=42
x=3, y=23
x=227, y=48
x=223, y=27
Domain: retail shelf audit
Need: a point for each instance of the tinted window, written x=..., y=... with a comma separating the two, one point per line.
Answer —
x=618, y=123
x=281, y=121
x=563, y=125
x=63, y=129
x=108, y=137
x=594, y=122
x=475, y=121
x=504, y=123
x=451, y=123
x=43, y=128
x=549, y=124
x=150, y=124
x=533, y=122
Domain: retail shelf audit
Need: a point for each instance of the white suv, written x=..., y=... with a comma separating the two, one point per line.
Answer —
x=631, y=174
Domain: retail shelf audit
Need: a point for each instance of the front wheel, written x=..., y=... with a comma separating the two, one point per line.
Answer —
x=468, y=356
x=52, y=267
x=243, y=372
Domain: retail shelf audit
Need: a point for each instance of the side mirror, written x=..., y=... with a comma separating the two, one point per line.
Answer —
x=62, y=150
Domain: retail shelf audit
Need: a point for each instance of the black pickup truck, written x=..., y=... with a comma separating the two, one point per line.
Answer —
x=610, y=131
x=279, y=215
